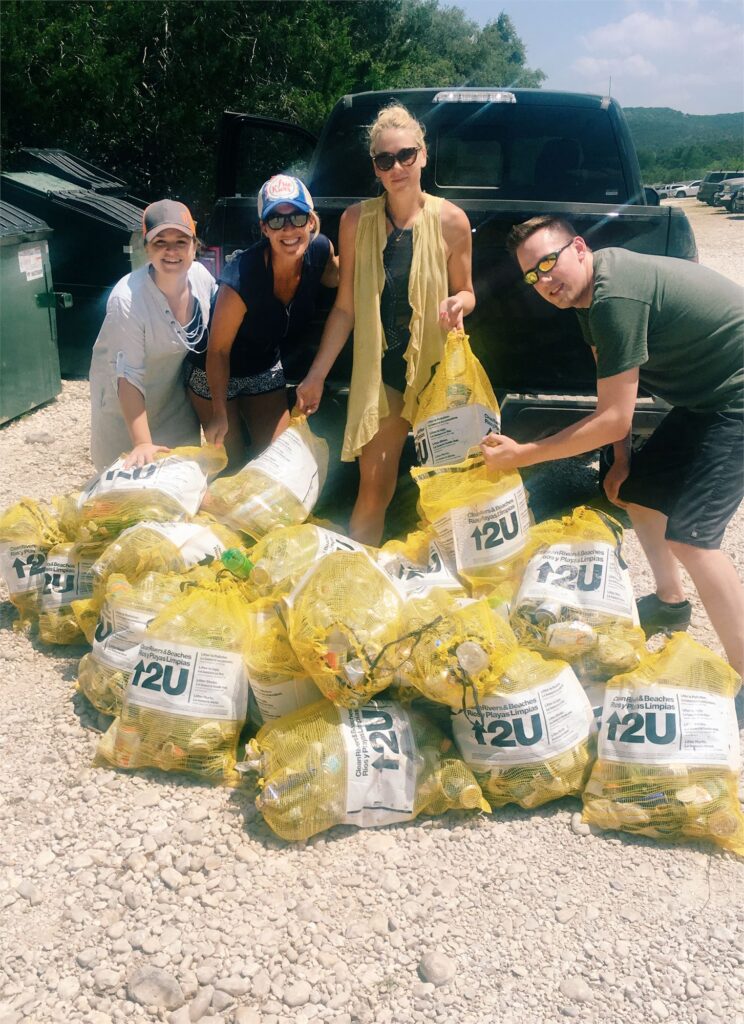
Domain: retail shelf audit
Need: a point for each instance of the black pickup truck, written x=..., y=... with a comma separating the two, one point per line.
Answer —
x=503, y=156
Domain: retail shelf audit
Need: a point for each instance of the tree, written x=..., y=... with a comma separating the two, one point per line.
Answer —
x=139, y=88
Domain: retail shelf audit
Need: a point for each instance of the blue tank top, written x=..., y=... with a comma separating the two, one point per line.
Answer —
x=268, y=323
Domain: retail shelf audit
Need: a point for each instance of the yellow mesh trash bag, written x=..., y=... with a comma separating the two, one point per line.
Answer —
x=162, y=547
x=377, y=765
x=575, y=601
x=481, y=520
x=67, y=579
x=283, y=556
x=187, y=697
x=279, y=488
x=28, y=530
x=668, y=755
x=343, y=624
x=530, y=737
x=278, y=682
x=457, y=408
x=127, y=610
x=169, y=488
x=455, y=647
x=418, y=564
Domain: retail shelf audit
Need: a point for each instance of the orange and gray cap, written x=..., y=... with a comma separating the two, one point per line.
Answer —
x=165, y=214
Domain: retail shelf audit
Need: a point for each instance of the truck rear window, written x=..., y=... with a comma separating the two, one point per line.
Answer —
x=505, y=151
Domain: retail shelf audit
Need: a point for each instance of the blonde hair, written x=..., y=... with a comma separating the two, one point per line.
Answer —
x=394, y=116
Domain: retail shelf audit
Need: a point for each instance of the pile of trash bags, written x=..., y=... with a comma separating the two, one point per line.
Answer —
x=481, y=661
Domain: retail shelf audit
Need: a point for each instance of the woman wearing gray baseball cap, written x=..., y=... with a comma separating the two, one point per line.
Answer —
x=155, y=316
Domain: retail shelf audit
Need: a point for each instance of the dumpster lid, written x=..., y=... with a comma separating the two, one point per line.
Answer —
x=18, y=226
x=40, y=182
x=73, y=169
x=109, y=210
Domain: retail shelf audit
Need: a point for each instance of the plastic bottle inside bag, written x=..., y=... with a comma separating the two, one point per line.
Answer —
x=458, y=390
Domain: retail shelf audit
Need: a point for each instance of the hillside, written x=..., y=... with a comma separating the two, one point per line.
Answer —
x=676, y=146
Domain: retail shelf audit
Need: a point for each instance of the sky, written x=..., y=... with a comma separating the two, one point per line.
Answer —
x=686, y=54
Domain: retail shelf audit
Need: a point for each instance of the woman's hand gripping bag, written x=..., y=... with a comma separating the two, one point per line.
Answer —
x=278, y=682
x=575, y=601
x=169, y=488
x=343, y=619
x=371, y=766
x=187, y=697
x=127, y=610
x=162, y=547
x=668, y=756
x=529, y=737
x=279, y=488
x=28, y=530
x=457, y=408
x=481, y=520
x=284, y=555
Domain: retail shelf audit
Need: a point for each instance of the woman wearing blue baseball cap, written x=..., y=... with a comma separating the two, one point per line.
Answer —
x=267, y=297
x=154, y=317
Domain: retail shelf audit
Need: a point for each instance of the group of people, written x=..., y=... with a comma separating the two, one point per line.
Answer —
x=178, y=350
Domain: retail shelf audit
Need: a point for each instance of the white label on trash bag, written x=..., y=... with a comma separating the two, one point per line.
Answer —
x=328, y=541
x=30, y=263
x=65, y=581
x=526, y=727
x=380, y=764
x=195, y=543
x=193, y=682
x=416, y=581
x=22, y=567
x=491, y=532
x=585, y=575
x=669, y=725
x=446, y=438
x=180, y=479
x=290, y=462
x=282, y=696
x=119, y=634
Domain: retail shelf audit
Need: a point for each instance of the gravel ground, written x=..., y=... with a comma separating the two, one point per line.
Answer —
x=154, y=898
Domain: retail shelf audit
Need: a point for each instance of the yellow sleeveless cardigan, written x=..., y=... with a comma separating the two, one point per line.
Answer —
x=427, y=287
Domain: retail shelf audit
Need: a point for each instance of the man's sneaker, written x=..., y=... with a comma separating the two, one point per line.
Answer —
x=660, y=617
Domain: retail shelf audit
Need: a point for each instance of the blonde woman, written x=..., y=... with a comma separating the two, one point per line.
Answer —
x=405, y=280
x=267, y=297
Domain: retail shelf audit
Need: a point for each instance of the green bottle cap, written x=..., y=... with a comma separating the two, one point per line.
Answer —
x=238, y=563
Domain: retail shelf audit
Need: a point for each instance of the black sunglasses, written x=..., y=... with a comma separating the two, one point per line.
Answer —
x=404, y=157
x=277, y=221
x=545, y=265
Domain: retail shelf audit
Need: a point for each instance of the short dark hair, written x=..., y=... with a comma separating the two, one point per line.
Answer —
x=521, y=232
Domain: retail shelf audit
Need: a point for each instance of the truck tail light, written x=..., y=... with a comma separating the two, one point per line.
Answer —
x=211, y=257
x=474, y=96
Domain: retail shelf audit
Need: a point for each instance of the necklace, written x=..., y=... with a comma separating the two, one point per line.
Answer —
x=397, y=233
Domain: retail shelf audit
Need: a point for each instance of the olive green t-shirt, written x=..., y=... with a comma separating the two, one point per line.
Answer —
x=681, y=324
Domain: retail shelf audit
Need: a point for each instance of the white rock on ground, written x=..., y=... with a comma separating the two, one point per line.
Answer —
x=517, y=903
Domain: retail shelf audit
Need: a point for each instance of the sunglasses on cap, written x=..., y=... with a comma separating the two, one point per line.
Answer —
x=277, y=221
x=545, y=265
x=404, y=157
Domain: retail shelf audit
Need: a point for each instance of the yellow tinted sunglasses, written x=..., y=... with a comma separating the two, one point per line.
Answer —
x=544, y=266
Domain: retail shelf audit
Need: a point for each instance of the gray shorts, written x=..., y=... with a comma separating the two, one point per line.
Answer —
x=239, y=387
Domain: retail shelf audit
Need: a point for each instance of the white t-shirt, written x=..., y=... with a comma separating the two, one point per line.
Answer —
x=142, y=341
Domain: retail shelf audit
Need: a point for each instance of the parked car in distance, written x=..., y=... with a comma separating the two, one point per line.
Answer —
x=737, y=203
x=684, y=190
x=724, y=196
x=712, y=183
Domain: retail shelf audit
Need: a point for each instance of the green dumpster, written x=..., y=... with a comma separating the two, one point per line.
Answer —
x=97, y=240
x=29, y=359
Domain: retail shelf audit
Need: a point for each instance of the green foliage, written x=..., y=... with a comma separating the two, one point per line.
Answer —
x=678, y=147
x=139, y=87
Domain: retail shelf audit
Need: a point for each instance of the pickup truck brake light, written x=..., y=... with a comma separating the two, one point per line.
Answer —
x=471, y=96
x=211, y=257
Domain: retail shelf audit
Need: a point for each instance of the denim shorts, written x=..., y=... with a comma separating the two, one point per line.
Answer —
x=692, y=470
